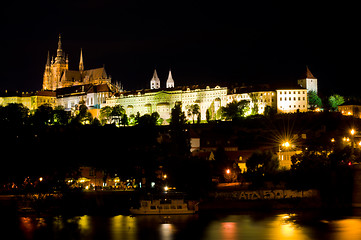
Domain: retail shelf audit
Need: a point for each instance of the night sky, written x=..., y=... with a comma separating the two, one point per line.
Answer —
x=218, y=42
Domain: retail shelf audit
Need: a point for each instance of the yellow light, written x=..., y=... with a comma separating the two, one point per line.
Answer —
x=228, y=171
x=332, y=140
x=40, y=179
x=352, y=131
x=286, y=144
x=166, y=188
x=165, y=176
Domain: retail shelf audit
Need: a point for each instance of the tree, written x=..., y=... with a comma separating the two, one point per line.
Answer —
x=314, y=100
x=105, y=114
x=43, y=116
x=148, y=120
x=177, y=116
x=82, y=115
x=235, y=110
x=61, y=117
x=269, y=111
x=14, y=114
x=117, y=114
x=262, y=163
x=335, y=101
x=193, y=110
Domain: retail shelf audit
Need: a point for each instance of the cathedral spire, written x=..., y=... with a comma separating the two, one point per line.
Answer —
x=48, y=60
x=81, y=64
x=59, y=51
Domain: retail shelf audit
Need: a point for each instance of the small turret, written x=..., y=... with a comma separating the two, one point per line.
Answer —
x=155, y=82
x=170, y=81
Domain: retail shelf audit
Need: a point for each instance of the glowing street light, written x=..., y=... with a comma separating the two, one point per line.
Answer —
x=286, y=144
x=352, y=131
x=228, y=171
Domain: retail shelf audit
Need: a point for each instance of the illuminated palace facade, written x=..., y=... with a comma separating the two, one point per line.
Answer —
x=211, y=99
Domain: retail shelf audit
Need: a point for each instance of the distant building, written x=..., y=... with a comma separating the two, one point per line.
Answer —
x=147, y=101
x=308, y=81
x=291, y=100
x=30, y=100
x=57, y=73
x=350, y=110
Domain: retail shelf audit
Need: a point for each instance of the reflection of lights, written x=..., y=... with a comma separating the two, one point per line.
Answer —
x=347, y=228
x=166, y=231
x=123, y=227
x=288, y=230
x=229, y=230
x=84, y=223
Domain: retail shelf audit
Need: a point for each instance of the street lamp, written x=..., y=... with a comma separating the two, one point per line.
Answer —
x=352, y=131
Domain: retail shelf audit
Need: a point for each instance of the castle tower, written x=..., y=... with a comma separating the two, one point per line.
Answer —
x=308, y=81
x=170, y=81
x=155, y=82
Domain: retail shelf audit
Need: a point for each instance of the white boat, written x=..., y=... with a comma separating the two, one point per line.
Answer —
x=156, y=207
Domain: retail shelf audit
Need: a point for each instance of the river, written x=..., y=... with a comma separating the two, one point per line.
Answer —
x=207, y=226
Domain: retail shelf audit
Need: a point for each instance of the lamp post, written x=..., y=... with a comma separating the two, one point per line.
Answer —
x=352, y=131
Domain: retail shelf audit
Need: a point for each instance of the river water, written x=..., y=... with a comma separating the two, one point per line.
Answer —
x=207, y=226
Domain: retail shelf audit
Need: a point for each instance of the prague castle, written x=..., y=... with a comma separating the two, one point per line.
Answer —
x=94, y=88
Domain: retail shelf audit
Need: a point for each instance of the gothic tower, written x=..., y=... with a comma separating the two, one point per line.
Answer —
x=55, y=69
x=47, y=74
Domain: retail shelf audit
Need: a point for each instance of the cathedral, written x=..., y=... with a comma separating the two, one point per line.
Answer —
x=57, y=73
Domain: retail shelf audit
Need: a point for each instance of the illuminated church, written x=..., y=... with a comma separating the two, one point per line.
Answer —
x=57, y=73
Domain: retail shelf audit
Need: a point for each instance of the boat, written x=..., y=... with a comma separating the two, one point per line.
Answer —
x=158, y=207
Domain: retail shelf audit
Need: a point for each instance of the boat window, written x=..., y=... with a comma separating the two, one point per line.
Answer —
x=144, y=204
x=179, y=207
x=172, y=207
x=166, y=207
x=152, y=207
x=159, y=207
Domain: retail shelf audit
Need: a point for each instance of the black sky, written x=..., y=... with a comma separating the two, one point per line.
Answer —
x=201, y=41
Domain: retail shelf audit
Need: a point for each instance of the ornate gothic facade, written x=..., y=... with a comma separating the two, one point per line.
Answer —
x=57, y=73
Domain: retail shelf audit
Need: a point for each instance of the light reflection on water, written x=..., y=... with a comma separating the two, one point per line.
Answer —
x=204, y=226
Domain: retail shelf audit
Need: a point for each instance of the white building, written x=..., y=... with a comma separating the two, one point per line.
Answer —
x=291, y=100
